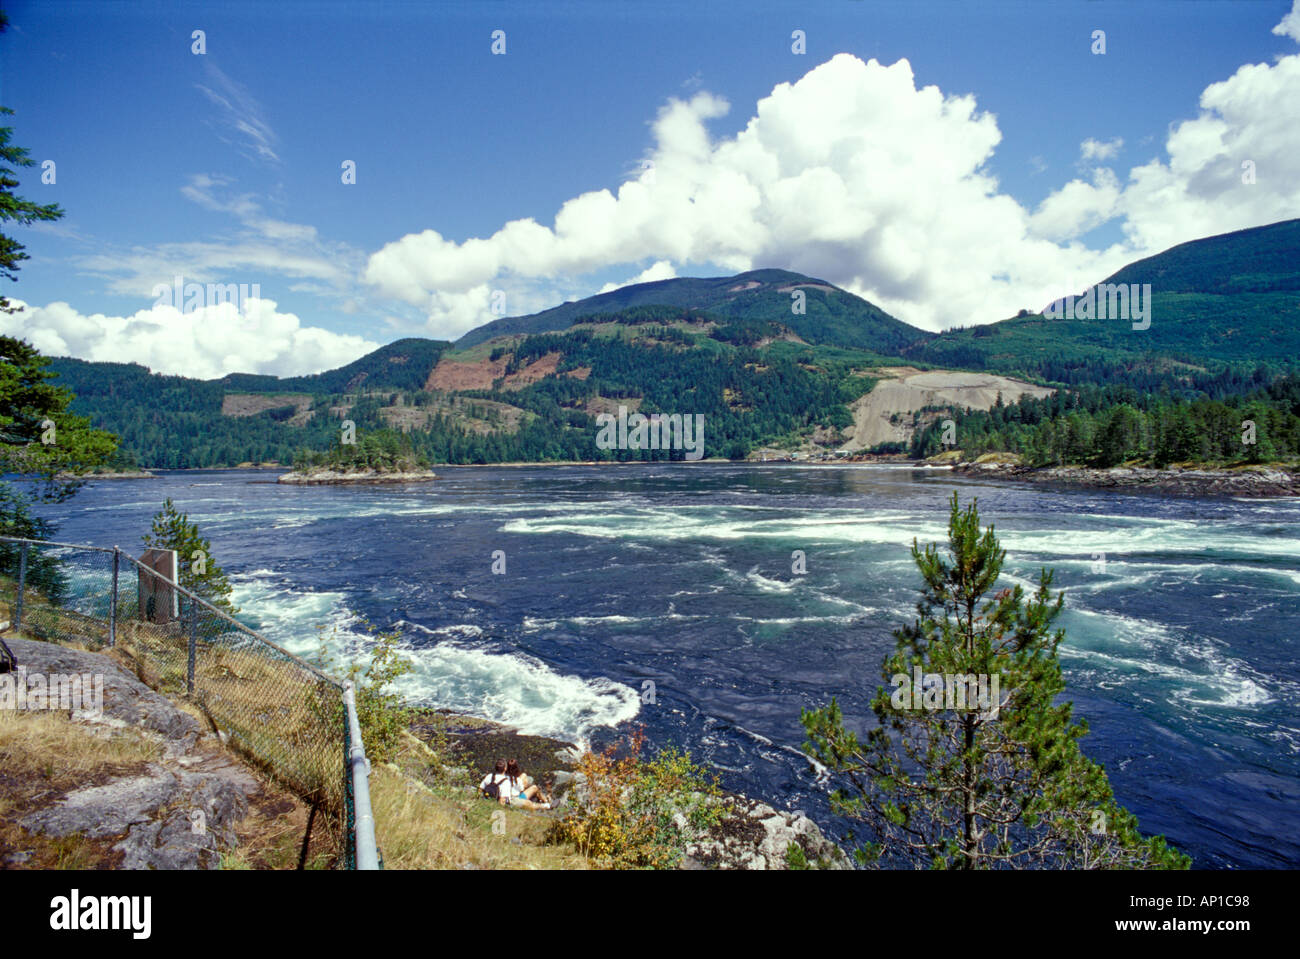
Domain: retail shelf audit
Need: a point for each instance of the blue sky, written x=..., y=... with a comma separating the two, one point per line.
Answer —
x=225, y=167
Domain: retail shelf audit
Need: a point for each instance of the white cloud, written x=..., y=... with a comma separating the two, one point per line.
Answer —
x=851, y=173
x=1077, y=207
x=659, y=270
x=854, y=174
x=239, y=115
x=1091, y=149
x=205, y=343
x=1290, y=24
x=258, y=246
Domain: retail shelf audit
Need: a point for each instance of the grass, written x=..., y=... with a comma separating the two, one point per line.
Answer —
x=44, y=755
x=428, y=820
x=425, y=818
x=31, y=740
x=279, y=716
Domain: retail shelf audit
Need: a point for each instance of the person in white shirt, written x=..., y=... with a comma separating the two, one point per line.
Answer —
x=523, y=792
x=499, y=779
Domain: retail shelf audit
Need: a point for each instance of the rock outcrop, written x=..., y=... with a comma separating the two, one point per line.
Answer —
x=755, y=835
x=751, y=835
x=179, y=812
x=1249, y=481
x=326, y=477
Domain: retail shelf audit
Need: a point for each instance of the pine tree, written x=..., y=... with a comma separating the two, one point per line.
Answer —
x=940, y=784
x=199, y=572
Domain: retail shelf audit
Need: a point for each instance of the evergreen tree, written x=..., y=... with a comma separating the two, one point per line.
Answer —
x=942, y=785
x=199, y=572
x=47, y=446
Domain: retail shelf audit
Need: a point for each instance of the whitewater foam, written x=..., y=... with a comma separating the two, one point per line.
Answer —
x=453, y=673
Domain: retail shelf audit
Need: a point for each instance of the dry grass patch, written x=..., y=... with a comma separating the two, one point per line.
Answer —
x=423, y=827
x=43, y=755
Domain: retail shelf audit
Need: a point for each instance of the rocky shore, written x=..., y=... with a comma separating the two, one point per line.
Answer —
x=108, y=475
x=1243, y=481
x=327, y=477
x=753, y=835
x=143, y=817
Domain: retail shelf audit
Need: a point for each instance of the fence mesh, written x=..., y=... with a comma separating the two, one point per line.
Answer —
x=285, y=716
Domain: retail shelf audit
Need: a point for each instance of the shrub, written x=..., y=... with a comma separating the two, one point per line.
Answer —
x=640, y=814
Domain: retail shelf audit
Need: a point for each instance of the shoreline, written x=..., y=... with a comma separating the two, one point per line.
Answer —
x=120, y=475
x=1249, y=481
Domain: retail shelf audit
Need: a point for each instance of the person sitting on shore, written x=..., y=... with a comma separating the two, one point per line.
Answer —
x=523, y=792
x=496, y=784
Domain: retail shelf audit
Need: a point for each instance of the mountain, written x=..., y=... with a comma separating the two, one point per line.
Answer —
x=403, y=364
x=1220, y=300
x=1263, y=259
x=1224, y=313
x=833, y=316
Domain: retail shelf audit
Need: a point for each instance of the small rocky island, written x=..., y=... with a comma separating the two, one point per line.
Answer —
x=330, y=477
x=375, y=458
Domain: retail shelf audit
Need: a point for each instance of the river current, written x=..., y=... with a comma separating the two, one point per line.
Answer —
x=666, y=595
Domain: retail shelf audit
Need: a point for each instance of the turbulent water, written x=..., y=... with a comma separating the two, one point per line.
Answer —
x=1181, y=614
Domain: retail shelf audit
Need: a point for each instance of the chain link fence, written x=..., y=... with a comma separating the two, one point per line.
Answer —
x=283, y=714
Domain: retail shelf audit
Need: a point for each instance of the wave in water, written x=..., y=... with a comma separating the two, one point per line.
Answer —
x=454, y=672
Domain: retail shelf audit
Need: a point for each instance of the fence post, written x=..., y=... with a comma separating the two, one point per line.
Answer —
x=367, y=851
x=194, y=640
x=22, y=583
x=112, y=603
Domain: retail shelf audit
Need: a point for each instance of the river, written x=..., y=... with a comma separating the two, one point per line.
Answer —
x=665, y=595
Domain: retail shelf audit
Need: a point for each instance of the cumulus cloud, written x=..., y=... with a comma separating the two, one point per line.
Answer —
x=659, y=270
x=856, y=174
x=1290, y=24
x=206, y=343
x=1078, y=207
x=851, y=173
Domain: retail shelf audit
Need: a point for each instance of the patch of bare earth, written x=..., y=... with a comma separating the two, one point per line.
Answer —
x=538, y=369
x=885, y=414
x=805, y=286
x=609, y=404
x=451, y=375
x=250, y=404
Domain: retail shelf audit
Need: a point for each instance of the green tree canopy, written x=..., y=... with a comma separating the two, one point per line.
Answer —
x=199, y=572
x=943, y=784
x=13, y=207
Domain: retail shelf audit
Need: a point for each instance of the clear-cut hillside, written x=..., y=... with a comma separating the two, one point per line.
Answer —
x=885, y=414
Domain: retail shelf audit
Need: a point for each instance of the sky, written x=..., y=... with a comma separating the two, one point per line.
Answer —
x=950, y=162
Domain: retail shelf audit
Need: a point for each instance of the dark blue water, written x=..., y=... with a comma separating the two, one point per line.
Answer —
x=1181, y=615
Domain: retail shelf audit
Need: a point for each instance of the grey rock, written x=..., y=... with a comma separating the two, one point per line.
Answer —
x=754, y=835
x=107, y=810
x=125, y=697
x=181, y=812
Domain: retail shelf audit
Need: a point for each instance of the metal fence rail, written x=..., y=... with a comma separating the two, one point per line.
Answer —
x=285, y=715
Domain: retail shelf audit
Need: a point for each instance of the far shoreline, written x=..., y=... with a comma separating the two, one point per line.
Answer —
x=1247, y=480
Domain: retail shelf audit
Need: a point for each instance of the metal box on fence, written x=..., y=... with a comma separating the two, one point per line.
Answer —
x=159, y=601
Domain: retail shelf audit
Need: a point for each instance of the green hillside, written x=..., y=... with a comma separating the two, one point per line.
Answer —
x=1225, y=320
x=833, y=317
x=403, y=364
x=1221, y=300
